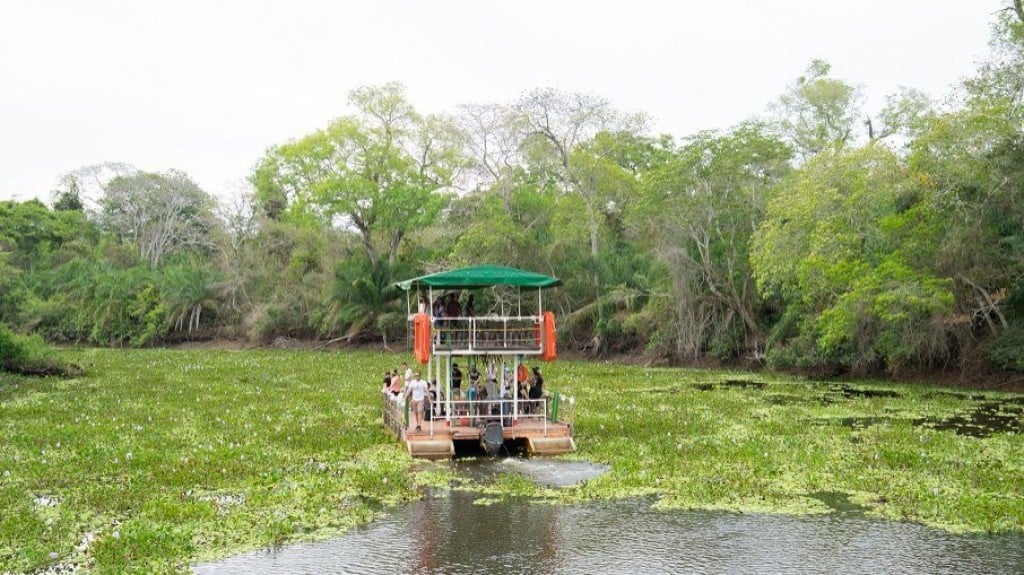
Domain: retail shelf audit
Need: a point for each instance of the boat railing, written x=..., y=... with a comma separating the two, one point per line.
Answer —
x=487, y=333
x=394, y=412
x=472, y=412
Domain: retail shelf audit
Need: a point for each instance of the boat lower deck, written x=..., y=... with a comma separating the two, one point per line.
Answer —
x=525, y=427
x=442, y=440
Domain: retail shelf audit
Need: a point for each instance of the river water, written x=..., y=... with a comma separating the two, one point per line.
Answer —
x=457, y=533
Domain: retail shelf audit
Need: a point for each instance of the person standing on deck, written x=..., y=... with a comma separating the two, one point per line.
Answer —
x=406, y=372
x=537, y=390
x=453, y=311
x=456, y=382
x=396, y=383
x=416, y=389
x=474, y=377
x=492, y=380
x=522, y=374
x=438, y=312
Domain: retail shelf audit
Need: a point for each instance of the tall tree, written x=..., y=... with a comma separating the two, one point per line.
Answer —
x=553, y=125
x=700, y=210
x=382, y=172
x=849, y=248
x=159, y=213
x=817, y=111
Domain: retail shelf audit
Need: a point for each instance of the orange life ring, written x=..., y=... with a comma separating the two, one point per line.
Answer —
x=421, y=337
x=550, y=339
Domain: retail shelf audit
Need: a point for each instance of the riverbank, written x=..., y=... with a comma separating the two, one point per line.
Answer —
x=981, y=377
x=156, y=458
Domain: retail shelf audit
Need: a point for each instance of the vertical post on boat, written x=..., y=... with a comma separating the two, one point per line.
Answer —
x=515, y=391
x=447, y=379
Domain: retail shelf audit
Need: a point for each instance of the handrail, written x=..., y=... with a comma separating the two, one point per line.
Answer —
x=396, y=415
x=488, y=333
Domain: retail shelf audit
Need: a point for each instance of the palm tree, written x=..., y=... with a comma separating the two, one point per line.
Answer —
x=363, y=296
x=187, y=290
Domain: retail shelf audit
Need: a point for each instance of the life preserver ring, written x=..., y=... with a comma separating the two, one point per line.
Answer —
x=421, y=337
x=550, y=339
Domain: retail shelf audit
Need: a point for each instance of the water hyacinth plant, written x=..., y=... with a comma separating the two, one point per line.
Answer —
x=157, y=458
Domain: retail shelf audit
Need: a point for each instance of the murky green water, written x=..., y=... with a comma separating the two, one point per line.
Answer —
x=451, y=534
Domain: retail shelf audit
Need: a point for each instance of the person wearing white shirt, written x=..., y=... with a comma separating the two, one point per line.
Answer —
x=416, y=389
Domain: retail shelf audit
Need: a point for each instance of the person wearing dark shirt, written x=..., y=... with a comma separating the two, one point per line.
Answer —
x=537, y=391
x=456, y=381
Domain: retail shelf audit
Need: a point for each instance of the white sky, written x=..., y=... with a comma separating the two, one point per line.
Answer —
x=206, y=86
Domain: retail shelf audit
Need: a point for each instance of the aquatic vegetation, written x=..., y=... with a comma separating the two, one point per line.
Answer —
x=157, y=458
x=727, y=442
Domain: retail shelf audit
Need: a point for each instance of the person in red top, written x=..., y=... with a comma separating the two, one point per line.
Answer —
x=522, y=374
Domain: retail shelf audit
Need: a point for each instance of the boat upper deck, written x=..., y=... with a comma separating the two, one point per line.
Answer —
x=519, y=335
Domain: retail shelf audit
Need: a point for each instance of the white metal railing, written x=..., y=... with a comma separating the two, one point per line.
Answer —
x=556, y=408
x=487, y=333
x=470, y=412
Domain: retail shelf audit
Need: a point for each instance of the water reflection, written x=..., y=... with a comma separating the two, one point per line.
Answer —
x=452, y=534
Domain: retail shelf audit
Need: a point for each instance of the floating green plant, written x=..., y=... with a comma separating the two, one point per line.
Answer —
x=157, y=458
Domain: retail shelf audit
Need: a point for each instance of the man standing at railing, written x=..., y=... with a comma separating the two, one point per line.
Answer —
x=456, y=382
x=417, y=391
x=453, y=310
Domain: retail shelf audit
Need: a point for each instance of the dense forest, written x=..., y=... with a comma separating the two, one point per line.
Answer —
x=815, y=235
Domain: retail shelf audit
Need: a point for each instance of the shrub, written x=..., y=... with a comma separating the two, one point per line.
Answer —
x=1007, y=350
x=29, y=355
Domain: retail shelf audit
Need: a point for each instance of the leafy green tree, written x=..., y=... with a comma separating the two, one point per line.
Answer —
x=382, y=172
x=971, y=160
x=364, y=302
x=817, y=111
x=34, y=233
x=554, y=126
x=847, y=248
x=700, y=210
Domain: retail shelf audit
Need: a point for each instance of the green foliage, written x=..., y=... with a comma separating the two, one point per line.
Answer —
x=381, y=172
x=167, y=457
x=838, y=245
x=1007, y=350
x=363, y=301
x=29, y=355
x=31, y=233
x=699, y=210
x=186, y=290
x=817, y=112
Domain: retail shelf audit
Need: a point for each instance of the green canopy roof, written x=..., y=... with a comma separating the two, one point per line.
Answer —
x=481, y=276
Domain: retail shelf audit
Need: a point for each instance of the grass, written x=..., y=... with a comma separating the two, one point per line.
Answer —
x=157, y=458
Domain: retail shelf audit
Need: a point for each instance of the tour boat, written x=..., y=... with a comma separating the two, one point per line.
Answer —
x=515, y=331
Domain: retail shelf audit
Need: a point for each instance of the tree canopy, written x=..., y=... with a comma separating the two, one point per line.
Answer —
x=816, y=234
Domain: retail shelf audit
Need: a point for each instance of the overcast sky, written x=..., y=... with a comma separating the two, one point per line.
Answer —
x=206, y=86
